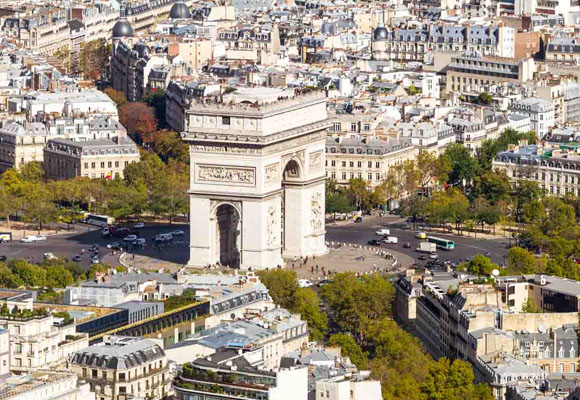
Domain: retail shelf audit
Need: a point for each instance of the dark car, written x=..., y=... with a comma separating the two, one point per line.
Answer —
x=324, y=282
x=94, y=247
x=407, y=245
x=77, y=258
x=3, y=258
x=374, y=242
x=422, y=257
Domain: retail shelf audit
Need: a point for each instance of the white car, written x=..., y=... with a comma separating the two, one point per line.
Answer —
x=391, y=240
x=141, y=242
x=383, y=232
x=433, y=256
x=33, y=239
x=178, y=233
x=139, y=225
x=49, y=256
x=95, y=260
x=130, y=238
x=164, y=237
x=304, y=283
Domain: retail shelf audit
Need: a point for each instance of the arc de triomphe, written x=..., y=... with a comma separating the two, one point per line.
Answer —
x=257, y=177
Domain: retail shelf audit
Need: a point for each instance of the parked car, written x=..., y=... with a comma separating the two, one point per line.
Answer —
x=114, y=245
x=383, y=232
x=374, y=242
x=33, y=239
x=130, y=238
x=177, y=233
x=139, y=225
x=77, y=258
x=304, y=283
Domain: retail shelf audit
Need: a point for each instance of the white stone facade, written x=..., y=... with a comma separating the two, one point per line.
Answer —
x=257, y=178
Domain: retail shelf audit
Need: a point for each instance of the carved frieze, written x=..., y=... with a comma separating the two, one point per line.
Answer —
x=216, y=173
x=316, y=212
x=272, y=173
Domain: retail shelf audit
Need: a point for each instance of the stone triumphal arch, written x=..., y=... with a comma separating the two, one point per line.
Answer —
x=257, y=177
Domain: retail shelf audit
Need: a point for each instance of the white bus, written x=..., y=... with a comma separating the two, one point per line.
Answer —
x=99, y=220
x=441, y=243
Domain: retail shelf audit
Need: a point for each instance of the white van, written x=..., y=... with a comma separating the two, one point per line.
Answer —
x=391, y=239
x=383, y=232
x=163, y=237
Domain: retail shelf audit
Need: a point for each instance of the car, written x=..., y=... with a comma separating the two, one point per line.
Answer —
x=95, y=260
x=33, y=239
x=49, y=256
x=3, y=258
x=139, y=225
x=358, y=220
x=77, y=258
x=94, y=247
x=421, y=235
x=304, y=283
x=140, y=242
x=114, y=245
x=433, y=256
x=324, y=282
x=177, y=233
x=130, y=238
x=407, y=245
x=487, y=254
x=374, y=242
x=422, y=257
x=383, y=232
x=391, y=240
x=163, y=237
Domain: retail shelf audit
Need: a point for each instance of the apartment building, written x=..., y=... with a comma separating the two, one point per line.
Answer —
x=469, y=127
x=540, y=111
x=37, y=339
x=428, y=136
x=121, y=367
x=47, y=385
x=476, y=73
x=231, y=375
x=555, y=170
x=21, y=144
x=369, y=159
x=251, y=43
x=354, y=387
x=179, y=97
x=102, y=158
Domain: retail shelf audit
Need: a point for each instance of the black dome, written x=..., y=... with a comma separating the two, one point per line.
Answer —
x=380, y=33
x=122, y=29
x=179, y=10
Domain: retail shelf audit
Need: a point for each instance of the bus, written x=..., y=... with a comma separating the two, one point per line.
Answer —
x=99, y=220
x=441, y=243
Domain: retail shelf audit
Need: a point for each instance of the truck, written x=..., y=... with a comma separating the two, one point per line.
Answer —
x=426, y=247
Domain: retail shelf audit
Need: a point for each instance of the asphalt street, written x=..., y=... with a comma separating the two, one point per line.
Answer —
x=70, y=244
x=67, y=245
x=465, y=246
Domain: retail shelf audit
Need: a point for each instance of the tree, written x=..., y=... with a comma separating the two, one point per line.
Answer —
x=524, y=193
x=495, y=186
x=521, y=261
x=31, y=172
x=307, y=304
x=57, y=276
x=157, y=101
x=463, y=166
x=530, y=307
x=349, y=348
x=168, y=145
x=97, y=269
x=358, y=193
x=453, y=381
x=140, y=121
x=338, y=203
x=282, y=285
x=9, y=279
x=412, y=90
x=484, y=98
x=30, y=274
x=94, y=59
x=480, y=265
x=117, y=96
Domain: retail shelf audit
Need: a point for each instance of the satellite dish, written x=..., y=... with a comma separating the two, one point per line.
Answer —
x=495, y=272
x=542, y=328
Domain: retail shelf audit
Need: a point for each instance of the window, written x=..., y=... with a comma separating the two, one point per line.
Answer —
x=378, y=177
x=86, y=165
x=344, y=176
x=225, y=120
x=561, y=353
x=351, y=164
x=117, y=164
x=333, y=163
x=102, y=175
x=336, y=127
x=359, y=164
x=370, y=164
x=93, y=165
x=353, y=127
x=370, y=177
x=352, y=175
x=102, y=164
x=110, y=164
x=377, y=164
x=94, y=373
x=344, y=164
x=121, y=376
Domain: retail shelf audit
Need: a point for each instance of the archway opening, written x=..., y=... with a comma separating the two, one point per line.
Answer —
x=228, y=235
x=291, y=173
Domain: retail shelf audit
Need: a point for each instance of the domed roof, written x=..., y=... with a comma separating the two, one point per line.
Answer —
x=380, y=33
x=122, y=29
x=179, y=10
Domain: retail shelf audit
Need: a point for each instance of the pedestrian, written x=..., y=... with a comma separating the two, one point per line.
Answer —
x=312, y=269
x=292, y=265
x=316, y=267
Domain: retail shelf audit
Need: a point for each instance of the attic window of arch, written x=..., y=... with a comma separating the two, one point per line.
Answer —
x=351, y=151
x=226, y=120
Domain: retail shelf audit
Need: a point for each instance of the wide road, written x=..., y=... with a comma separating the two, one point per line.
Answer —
x=67, y=245
x=361, y=233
